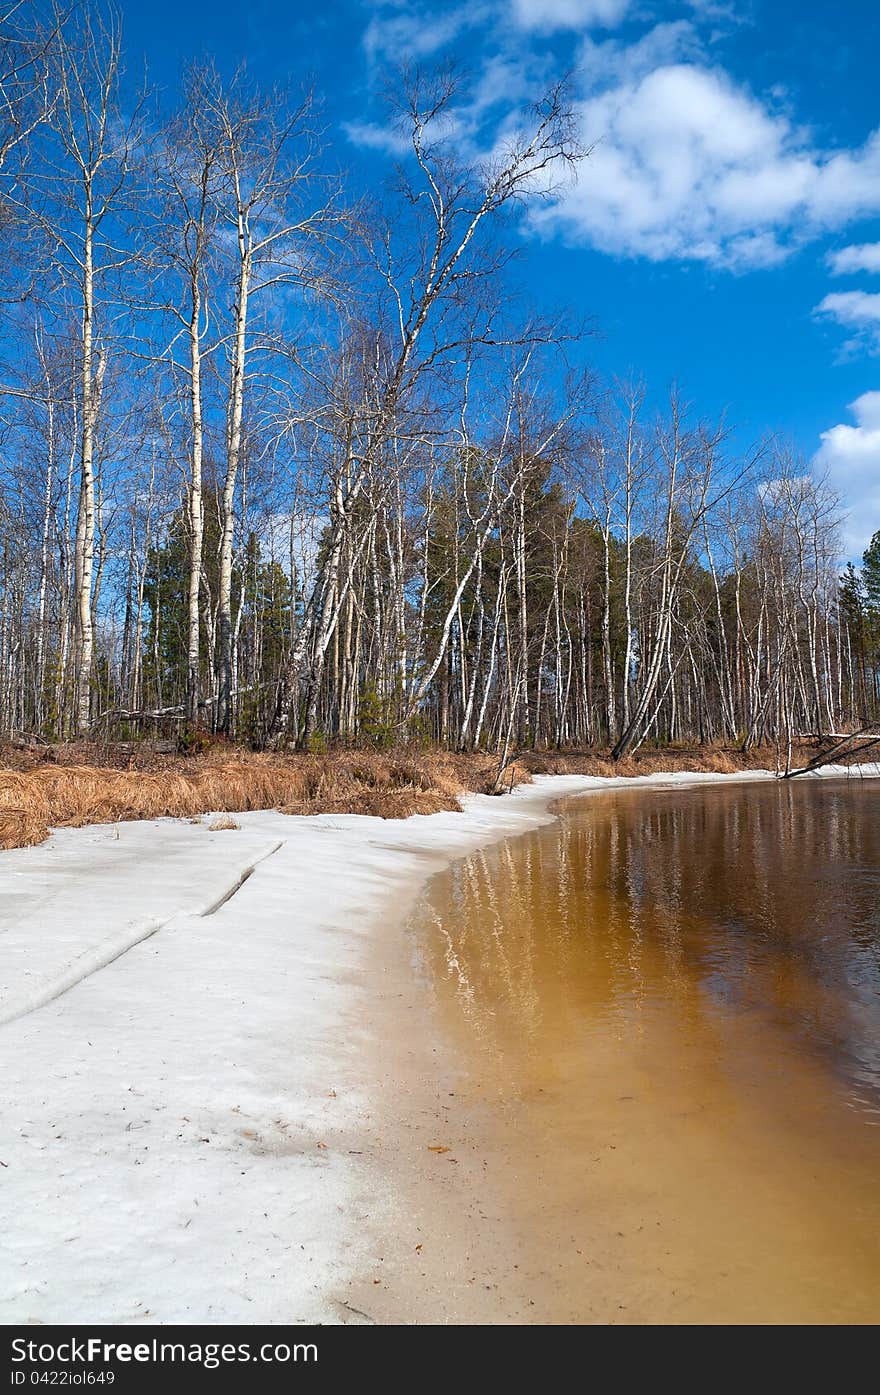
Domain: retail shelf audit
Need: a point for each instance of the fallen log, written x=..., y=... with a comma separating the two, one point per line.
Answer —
x=838, y=749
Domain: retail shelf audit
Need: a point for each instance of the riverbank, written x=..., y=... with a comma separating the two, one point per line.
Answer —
x=197, y=1124
x=184, y=1127
x=647, y=1044
x=72, y=785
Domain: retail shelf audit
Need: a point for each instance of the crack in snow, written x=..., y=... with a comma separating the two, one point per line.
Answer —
x=236, y=887
x=81, y=968
x=99, y=956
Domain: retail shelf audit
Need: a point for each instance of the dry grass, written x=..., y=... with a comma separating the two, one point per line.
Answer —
x=59, y=795
x=714, y=760
x=225, y=821
x=53, y=793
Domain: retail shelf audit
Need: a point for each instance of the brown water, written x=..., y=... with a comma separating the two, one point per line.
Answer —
x=665, y=1014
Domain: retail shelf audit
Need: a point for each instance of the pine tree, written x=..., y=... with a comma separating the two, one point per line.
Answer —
x=871, y=572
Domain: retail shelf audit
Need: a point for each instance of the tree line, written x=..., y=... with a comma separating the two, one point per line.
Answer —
x=296, y=464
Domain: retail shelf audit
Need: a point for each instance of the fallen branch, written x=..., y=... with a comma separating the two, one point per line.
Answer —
x=122, y=714
x=839, y=748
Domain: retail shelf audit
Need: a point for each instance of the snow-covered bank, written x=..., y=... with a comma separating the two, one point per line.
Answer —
x=96, y=892
x=182, y=1128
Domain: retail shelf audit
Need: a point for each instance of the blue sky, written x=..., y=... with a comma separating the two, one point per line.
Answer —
x=725, y=232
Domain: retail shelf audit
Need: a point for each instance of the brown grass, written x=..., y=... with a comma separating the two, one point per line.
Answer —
x=55, y=793
x=60, y=795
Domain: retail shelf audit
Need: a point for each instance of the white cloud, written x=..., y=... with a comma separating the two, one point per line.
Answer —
x=373, y=136
x=864, y=256
x=609, y=61
x=411, y=31
x=504, y=79
x=415, y=33
x=858, y=311
x=736, y=11
x=687, y=164
x=850, y=456
x=546, y=16
x=396, y=140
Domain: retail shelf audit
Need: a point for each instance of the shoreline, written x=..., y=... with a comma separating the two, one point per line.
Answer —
x=197, y=1106
x=76, y=786
x=597, y=1090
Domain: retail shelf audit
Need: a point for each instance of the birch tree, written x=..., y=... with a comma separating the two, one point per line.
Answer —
x=189, y=175
x=432, y=282
x=78, y=197
x=275, y=211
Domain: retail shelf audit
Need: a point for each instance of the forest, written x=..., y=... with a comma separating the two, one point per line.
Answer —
x=298, y=464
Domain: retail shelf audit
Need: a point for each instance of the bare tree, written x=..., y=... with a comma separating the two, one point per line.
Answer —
x=276, y=212
x=78, y=197
x=435, y=313
x=188, y=173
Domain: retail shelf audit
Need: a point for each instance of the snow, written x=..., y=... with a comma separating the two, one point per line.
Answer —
x=87, y=895
x=184, y=1062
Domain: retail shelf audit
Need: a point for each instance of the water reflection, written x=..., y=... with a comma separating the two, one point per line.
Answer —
x=754, y=900
x=665, y=1012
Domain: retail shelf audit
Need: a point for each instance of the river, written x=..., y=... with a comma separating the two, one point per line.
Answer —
x=664, y=1014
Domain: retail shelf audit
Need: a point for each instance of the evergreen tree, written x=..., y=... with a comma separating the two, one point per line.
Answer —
x=871, y=573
